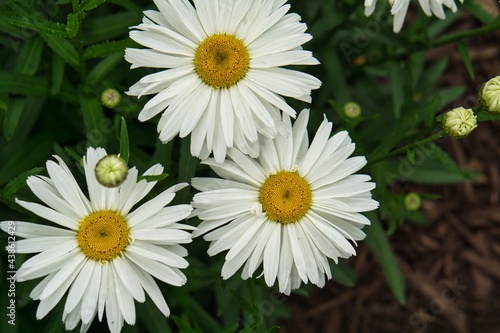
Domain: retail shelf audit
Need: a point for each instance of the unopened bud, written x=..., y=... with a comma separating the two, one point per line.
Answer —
x=459, y=122
x=111, y=171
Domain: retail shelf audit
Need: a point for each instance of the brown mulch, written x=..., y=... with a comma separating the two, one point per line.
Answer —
x=451, y=265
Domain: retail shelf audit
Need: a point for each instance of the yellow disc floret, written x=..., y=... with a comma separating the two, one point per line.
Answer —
x=285, y=197
x=103, y=235
x=221, y=60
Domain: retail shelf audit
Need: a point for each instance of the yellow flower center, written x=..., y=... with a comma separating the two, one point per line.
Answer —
x=103, y=235
x=221, y=60
x=285, y=197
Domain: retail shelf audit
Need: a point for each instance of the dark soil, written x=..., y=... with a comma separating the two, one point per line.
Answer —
x=451, y=265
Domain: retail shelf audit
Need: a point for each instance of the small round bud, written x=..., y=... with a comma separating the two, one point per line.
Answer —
x=111, y=171
x=110, y=98
x=352, y=110
x=412, y=201
x=459, y=122
x=489, y=95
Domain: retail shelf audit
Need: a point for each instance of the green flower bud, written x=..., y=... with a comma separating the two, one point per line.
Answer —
x=352, y=110
x=412, y=201
x=489, y=95
x=110, y=98
x=459, y=122
x=111, y=171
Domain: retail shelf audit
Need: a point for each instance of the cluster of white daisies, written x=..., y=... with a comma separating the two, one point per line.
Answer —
x=282, y=206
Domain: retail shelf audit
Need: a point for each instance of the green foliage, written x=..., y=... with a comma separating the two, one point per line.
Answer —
x=58, y=57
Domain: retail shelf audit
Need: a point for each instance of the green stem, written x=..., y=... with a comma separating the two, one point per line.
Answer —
x=79, y=43
x=403, y=149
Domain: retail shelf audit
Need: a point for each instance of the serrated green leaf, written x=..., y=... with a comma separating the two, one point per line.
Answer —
x=104, y=67
x=42, y=26
x=124, y=143
x=58, y=66
x=93, y=119
x=107, y=48
x=487, y=116
x=17, y=83
x=464, y=54
x=87, y=5
x=19, y=182
x=380, y=246
x=29, y=58
x=153, y=178
x=73, y=24
x=63, y=48
x=11, y=120
x=432, y=166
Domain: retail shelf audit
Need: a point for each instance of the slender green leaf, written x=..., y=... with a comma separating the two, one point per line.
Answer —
x=58, y=67
x=335, y=75
x=203, y=318
x=93, y=119
x=19, y=7
x=183, y=326
x=73, y=25
x=396, y=71
x=42, y=26
x=432, y=74
x=41, y=147
x=153, y=178
x=11, y=120
x=464, y=54
x=19, y=182
x=231, y=329
x=479, y=12
x=380, y=246
x=448, y=95
x=127, y=4
x=109, y=27
x=104, y=67
x=344, y=274
x=29, y=58
x=107, y=48
x=63, y=48
x=153, y=319
x=124, y=143
x=3, y=105
x=17, y=83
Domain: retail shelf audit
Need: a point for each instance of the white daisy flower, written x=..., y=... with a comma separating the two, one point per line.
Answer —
x=400, y=7
x=223, y=81
x=290, y=210
x=103, y=251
